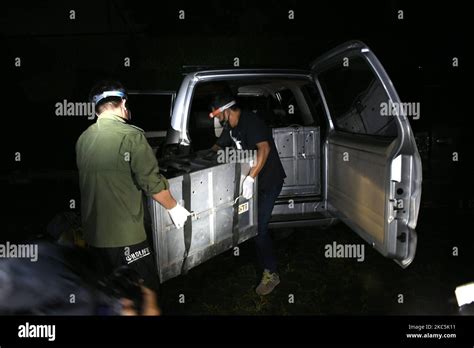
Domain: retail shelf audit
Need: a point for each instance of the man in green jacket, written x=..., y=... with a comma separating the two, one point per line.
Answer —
x=116, y=164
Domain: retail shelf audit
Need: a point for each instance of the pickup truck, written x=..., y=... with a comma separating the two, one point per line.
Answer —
x=344, y=159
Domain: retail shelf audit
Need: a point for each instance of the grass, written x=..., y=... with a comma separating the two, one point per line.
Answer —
x=323, y=286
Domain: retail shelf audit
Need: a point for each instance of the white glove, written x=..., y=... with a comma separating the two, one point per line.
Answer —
x=247, y=187
x=179, y=215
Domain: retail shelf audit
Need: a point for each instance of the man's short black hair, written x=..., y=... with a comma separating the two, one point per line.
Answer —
x=222, y=99
x=102, y=86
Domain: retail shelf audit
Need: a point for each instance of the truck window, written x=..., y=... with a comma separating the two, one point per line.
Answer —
x=265, y=106
x=201, y=126
x=289, y=111
x=151, y=112
x=354, y=96
x=280, y=103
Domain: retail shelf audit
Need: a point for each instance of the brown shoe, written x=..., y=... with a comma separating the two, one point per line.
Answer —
x=268, y=283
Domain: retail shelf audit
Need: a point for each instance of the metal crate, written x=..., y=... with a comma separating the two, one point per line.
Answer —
x=216, y=225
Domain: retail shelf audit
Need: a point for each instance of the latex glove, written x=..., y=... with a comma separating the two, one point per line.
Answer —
x=247, y=187
x=179, y=215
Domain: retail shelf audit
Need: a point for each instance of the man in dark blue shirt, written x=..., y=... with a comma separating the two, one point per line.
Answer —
x=246, y=131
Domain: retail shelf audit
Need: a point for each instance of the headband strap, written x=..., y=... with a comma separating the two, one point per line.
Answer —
x=222, y=108
x=97, y=98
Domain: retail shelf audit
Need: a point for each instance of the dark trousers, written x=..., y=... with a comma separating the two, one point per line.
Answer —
x=138, y=257
x=263, y=242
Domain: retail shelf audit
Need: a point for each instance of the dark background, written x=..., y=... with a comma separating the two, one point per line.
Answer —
x=62, y=58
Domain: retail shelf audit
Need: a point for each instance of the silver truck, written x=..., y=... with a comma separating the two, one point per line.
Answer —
x=344, y=158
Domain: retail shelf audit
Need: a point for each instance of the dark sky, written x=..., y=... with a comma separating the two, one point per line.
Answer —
x=62, y=57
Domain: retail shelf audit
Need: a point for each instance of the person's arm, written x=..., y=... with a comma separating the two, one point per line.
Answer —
x=263, y=149
x=257, y=136
x=223, y=141
x=165, y=199
x=145, y=169
x=146, y=172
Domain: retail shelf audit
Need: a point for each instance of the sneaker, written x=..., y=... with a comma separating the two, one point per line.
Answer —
x=268, y=283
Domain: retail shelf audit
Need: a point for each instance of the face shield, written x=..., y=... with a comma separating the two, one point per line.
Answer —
x=220, y=109
x=96, y=99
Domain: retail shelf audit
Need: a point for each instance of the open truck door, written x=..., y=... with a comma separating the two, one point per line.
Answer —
x=373, y=168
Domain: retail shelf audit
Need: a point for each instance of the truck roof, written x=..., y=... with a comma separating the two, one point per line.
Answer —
x=239, y=71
